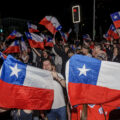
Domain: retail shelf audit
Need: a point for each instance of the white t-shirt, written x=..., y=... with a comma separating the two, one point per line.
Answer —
x=59, y=100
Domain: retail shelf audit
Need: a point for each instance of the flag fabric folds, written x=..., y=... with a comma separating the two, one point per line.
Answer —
x=35, y=41
x=86, y=37
x=91, y=81
x=116, y=19
x=51, y=23
x=107, y=37
x=13, y=48
x=25, y=87
x=48, y=41
x=65, y=35
x=113, y=32
x=23, y=44
x=12, y=35
x=32, y=28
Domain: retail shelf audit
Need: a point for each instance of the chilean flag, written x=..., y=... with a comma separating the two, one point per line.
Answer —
x=13, y=48
x=25, y=87
x=107, y=37
x=32, y=28
x=35, y=41
x=113, y=32
x=23, y=44
x=116, y=19
x=91, y=81
x=86, y=37
x=12, y=35
x=65, y=35
x=51, y=23
x=49, y=41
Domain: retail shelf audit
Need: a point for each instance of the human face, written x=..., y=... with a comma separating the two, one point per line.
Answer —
x=96, y=49
x=47, y=65
x=66, y=49
x=45, y=55
x=70, y=54
x=85, y=51
x=115, y=50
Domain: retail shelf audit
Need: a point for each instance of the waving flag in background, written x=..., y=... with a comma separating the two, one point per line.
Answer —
x=18, y=34
x=35, y=41
x=48, y=41
x=116, y=19
x=107, y=37
x=23, y=44
x=32, y=28
x=113, y=32
x=91, y=81
x=65, y=35
x=12, y=35
x=51, y=23
x=86, y=37
x=25, y=87
x=13, y=48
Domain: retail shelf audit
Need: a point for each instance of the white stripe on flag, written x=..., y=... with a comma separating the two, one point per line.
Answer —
x=109, y=75
x=35, y=75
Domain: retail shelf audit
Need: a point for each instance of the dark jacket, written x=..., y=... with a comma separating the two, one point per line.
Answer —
x=64, y=57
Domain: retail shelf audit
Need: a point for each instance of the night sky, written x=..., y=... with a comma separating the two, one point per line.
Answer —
x=36, y=10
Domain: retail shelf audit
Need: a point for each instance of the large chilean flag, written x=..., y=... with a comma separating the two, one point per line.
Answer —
x=91, y=81
x=25, y=87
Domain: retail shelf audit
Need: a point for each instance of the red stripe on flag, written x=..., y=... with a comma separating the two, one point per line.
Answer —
x=117, y=23
x=31, y=30
x=35, y=44
x=12, y=49
x=23, y=97
x=49, y=44
x=48, y=25
x=80, y=93
x=11, y=37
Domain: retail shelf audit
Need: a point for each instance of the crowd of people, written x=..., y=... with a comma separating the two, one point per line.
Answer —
x=54, y=59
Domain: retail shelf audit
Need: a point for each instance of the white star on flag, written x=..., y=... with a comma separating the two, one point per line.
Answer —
x=15, y=70
x=115, y=17
x=83, y=70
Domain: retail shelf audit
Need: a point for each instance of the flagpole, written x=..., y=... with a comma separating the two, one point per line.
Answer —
x=93, y=20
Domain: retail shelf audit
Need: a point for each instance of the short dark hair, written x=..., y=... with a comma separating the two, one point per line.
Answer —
x=86, y=47
x=47, y=59
x=66, y=46
x=98, y=45
x=70, y=51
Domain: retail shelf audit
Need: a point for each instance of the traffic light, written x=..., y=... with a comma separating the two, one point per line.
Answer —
x=76, y=14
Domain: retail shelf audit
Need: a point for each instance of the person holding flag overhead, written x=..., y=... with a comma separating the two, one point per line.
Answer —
x=93, y=87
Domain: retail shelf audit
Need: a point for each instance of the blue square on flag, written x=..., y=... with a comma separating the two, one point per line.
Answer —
x=13, y=71
x=86, y=71
x=115, y=16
